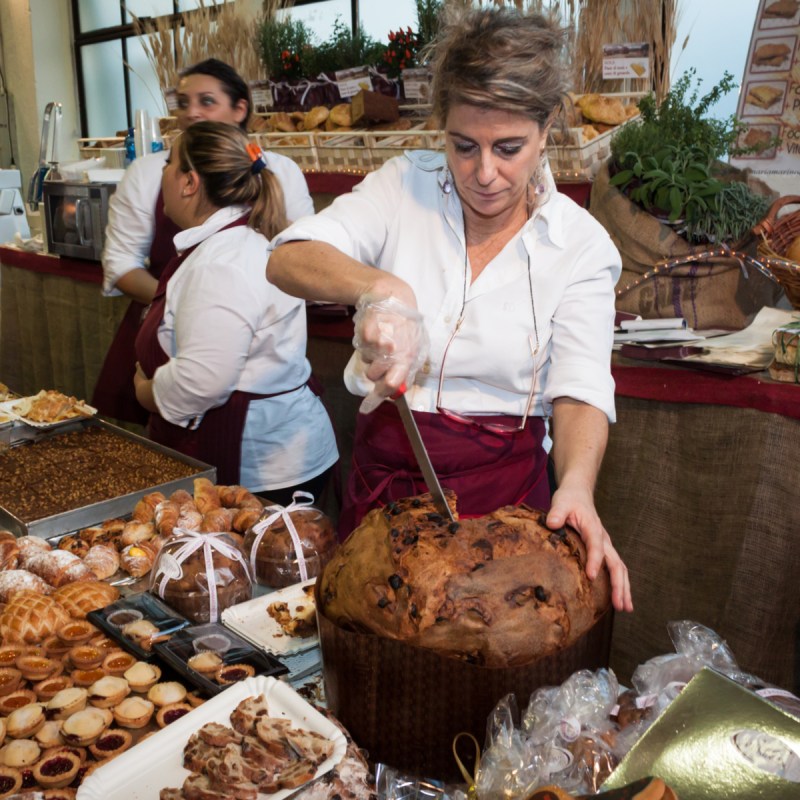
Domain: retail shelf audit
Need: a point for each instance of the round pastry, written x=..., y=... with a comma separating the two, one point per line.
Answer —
x=108, y=691
x=134, y=712
x=102, y=642
x=76, y=750
x=13, y=581
x=10, y=781
x=81, y=598
x=47, y=689
x=276, y=561
x=142, y=632
x=117, y=661
x=84, y=727
x=171, y=712
x=57, y=770
x=163, y=694
x=10, y=653
x=76, y=632
x=111, y=744
x=24, y=722
x=10, y=678
x=16, y=699
x=20, y=753
x=141, y=676
x=54, y=647
x=233, y=673
x=86, y=677
x=66, y=702
x=102, y=560
x=206, y=663
x=49, y=735
x=37, y=668
x=86, y=656
x=502, y=590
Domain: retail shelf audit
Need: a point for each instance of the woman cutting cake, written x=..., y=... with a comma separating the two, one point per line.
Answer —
x=480, y=290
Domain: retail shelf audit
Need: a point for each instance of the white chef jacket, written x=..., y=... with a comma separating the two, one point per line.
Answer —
x=401, y=219
x=132, y=210
x=226, y=328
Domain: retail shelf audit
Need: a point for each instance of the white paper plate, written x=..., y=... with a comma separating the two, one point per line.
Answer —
x=157, y=762
x=12, y=409
x=252, y=621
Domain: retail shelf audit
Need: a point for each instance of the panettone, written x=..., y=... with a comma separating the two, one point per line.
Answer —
x=500, y=591
x=31, y=617
x=84, y=596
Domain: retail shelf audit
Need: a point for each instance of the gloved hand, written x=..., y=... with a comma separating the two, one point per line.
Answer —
x=392, y=341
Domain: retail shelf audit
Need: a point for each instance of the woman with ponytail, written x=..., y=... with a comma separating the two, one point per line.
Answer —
x=222, y=365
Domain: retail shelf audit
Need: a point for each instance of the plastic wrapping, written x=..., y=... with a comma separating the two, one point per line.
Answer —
x=201, y=574
x=290, y=544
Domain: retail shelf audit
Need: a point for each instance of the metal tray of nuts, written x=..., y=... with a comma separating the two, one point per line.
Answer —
x=81, y=515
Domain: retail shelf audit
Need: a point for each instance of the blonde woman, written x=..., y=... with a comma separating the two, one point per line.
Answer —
x=222, y=365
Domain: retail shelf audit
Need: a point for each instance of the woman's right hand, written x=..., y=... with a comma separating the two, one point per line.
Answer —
x=392, y=341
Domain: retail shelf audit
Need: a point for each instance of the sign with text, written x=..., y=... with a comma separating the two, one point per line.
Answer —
x=631, y=60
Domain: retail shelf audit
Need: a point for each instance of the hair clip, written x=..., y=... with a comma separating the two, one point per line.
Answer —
x=257, y=157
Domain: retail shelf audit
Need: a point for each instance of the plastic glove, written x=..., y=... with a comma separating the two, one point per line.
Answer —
x=392, y=341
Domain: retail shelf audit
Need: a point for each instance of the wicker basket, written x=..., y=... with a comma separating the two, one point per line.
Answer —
x=776, y=234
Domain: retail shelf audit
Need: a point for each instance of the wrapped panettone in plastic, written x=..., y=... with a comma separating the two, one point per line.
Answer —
x=290, y=544
x=201, y=574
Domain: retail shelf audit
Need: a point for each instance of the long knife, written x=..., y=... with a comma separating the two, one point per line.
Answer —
x=421, y=454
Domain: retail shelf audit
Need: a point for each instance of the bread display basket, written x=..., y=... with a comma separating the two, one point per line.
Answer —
x=776, y=235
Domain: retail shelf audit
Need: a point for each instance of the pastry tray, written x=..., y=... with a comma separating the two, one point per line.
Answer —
x=150, y=607
x=9, y=407
x=180, y=647
x=156, y=763
x=85, y=516
x=252, y=621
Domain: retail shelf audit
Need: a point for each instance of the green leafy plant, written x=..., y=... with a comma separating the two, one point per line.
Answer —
x=343, y=50
x=427, y=20
x=401, y=52
x=284, y=45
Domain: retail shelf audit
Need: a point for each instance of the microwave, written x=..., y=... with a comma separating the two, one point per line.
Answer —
x=75, y=217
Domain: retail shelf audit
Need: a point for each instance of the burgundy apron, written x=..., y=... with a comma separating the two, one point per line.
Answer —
x=218, y=438
x=114, y=394
x=486, y=470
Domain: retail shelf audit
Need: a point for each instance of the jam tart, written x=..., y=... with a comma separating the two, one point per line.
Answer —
x=24, y=722
x=233, y=673
x=56, y=648
x=47, y=689
x=37, y=668
x=20, y=753
x=84, y=727
x=67, y=702
x=117, y=661
x=10, y=653
x=86, y=677
x=16, y=699
x=142, y=676
x=169, y=713
x=111, y=743
x=76, y=631
x=108, y=691
x=78, y=751
x=133, y=712
x=57, y=770
x=10, y=781
x=86, y=656
x=10, y=678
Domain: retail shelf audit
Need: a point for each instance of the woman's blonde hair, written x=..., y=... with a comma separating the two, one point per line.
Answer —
x=218, y=153
x=501, y=59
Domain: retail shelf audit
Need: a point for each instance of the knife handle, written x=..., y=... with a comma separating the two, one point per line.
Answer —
x=401, y=390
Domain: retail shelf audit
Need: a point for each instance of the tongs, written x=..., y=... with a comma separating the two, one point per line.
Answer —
x=45, y=166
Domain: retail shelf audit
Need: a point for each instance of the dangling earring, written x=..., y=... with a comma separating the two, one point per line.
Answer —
x=447, y=185
x=537, y=179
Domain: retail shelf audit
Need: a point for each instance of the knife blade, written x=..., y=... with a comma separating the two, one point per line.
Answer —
x=423, y=459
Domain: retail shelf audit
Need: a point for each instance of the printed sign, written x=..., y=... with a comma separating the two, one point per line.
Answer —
x=261, y=92
x=626, y=60
x=352, y=81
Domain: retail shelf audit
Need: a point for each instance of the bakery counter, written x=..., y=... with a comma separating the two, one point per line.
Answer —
x=698, y=491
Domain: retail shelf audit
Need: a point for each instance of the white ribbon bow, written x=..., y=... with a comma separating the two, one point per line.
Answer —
x=193, y=541
x=261, y=527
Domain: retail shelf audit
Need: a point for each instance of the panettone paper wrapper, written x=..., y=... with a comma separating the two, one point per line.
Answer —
x=405, y=704
x=707, y=743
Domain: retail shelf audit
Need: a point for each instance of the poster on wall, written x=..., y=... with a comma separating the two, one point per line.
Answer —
x=769, y=100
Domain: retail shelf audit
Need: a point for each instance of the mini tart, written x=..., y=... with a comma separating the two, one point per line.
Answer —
x=163, y=694
x=134, y=712
x=102, y=642
x=55, y=648
x=37, y=668
x=141, y=676
x=49, y=735
x=117, y=661
x=78, y=751
x=10, y=653
x=86, y=656
x=233, y=673
x=195, y=699
x=57, y=770
x=16, y=699
x=10, y=781
x=84, y=727
x=65, y=793
x=67, y=702
x=10, y=678
x=108, y=691
x=86, y=677
x=24, y=722
x=111, y=743
x=77, y=631
x=206, y=662
x=47, y=689
x=142, y=632
x=169, y=713
x=20, y=753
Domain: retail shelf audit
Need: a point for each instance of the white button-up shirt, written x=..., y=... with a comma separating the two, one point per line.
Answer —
x=401, y=219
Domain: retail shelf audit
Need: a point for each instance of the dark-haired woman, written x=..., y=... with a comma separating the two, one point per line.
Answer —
x=221, y=353
x=139, y=237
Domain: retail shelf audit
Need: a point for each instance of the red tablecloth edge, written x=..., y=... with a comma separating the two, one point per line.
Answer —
x=73, y=268
x=695, y=386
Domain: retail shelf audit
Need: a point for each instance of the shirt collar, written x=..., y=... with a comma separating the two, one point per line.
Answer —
x=218, y=220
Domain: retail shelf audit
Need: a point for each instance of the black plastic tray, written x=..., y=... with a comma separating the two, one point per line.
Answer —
x=151, y=608
x=179, y=648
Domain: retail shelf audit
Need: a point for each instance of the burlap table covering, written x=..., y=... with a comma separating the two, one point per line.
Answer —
x=701, y=502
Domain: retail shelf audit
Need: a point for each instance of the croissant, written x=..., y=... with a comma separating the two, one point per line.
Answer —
x=246, y=518
x=53, y=566
x=181, y=496
x=30, y=546
x=137, y=559
x=189, y=518
x=218, y=520
x=145, y=509
x=16, y=580
x=238, y=497
x=9, y=550
x=136, y=531
x=74, y=544
x=113, y=526
x=166, y=517
x=96, y=535
x=206, y=495
x=102, y=560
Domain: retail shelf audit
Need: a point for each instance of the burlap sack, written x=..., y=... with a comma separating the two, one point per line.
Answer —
x=712, y=292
